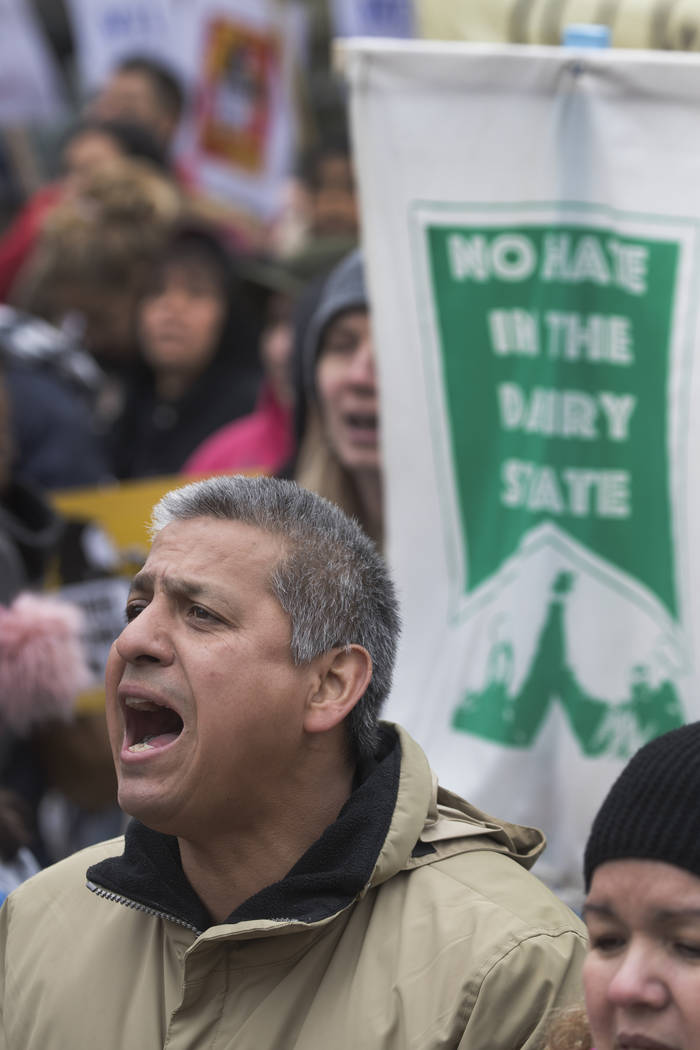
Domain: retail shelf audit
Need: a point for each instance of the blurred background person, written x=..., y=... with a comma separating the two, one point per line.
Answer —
x=89, y=146
x=43, y=669
x=339, y=453
x=320, y=216
x=52, y=386
x=198, y=365
x=93, y=144
x=30, y=529
x=263, y=439
x=93, y=262
x=143, y=91
x=328, y=172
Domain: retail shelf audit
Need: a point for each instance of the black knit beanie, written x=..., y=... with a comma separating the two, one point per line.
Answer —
x=652, y=811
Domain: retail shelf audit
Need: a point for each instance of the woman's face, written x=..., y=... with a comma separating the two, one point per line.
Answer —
x=347, y=391
x=642, y=972
x=181, y=320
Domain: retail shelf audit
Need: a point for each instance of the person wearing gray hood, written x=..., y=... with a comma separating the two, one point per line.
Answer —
x=339, y=455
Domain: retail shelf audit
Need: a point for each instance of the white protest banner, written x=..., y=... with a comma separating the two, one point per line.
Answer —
x=373, y=18
x=30, y=84
x=531, y=221
x=108, y=30
x=242, y=57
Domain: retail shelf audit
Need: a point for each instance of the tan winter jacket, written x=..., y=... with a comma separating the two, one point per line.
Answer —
x=449, y=942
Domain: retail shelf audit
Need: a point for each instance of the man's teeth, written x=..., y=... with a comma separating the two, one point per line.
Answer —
x=143, y=745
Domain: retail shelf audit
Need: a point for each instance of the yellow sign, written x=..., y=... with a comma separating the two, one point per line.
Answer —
x=123, y=510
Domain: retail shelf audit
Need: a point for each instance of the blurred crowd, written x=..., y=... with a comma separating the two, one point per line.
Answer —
x=147, y=330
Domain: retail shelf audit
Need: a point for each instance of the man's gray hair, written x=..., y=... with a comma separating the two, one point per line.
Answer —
x=331, y=581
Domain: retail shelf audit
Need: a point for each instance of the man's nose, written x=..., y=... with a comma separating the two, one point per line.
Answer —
x=639, y=979
x=146, y=638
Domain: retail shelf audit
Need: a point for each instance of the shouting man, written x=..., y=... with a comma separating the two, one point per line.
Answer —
x=293, y=878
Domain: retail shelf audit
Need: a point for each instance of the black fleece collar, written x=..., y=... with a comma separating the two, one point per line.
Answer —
x=322, y=882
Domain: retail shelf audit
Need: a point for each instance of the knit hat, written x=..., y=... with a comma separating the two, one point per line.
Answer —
x=344, y=289
x=652, y=811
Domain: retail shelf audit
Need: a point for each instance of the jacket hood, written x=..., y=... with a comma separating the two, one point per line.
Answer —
x=430, y=822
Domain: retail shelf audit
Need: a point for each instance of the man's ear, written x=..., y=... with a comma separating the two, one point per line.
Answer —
x=344, y=675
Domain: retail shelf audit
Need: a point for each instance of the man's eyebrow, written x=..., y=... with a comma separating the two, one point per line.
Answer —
x=142, y=581
x=175, y=586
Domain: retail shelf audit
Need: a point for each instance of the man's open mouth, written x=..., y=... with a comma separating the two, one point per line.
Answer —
x=149, y=726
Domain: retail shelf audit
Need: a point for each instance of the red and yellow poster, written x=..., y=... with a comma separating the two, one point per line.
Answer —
x=242, y=70
x=239, y=140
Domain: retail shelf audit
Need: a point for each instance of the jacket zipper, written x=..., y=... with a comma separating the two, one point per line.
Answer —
x=129, y=903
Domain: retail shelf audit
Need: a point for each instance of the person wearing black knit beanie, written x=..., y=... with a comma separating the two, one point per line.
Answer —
x=642, y=873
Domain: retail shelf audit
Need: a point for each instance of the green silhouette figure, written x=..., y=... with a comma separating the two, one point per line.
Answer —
x=620, y=729
x=600, y=727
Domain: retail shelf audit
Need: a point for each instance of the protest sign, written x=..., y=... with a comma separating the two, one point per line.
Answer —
x=30, y=85
x=533, y=266
x=242, y=57
x=373, y=17
x=109, y=30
